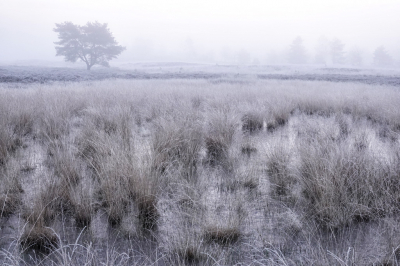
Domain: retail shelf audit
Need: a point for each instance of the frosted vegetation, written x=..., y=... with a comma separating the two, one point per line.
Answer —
x=199, y=172
x=18, y=75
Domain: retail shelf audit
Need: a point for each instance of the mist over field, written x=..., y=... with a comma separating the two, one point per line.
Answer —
x=206, y=132
x=217, y=32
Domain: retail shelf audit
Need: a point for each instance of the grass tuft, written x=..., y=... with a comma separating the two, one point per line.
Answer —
x=252, y=123
x=276, y=123
x=248, y=150
x=176, y=144
x=280, y=176
x=221, y=235
x=9, y=203
x=217, y=152
x=190, y=255
x=39, y=238
x=10, y=191
x=148, y=213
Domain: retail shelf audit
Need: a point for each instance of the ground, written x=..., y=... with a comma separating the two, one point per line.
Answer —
x=31, y=74
x=177, y=164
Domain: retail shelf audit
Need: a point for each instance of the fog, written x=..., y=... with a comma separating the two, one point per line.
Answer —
x=219, y=31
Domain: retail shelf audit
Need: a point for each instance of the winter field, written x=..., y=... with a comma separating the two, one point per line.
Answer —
x=199, y=165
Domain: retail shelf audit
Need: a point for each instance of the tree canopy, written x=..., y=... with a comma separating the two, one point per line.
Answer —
x=92, y=43
x=382, y=57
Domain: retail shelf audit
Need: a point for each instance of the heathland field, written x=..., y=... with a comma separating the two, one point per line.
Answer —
x=220, y=171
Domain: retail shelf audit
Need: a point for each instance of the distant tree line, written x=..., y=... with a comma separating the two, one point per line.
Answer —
x=333, y=52
x=94, y=44
x=327, y=52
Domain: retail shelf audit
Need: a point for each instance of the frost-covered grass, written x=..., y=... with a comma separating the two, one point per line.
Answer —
x=197, y=172
x=17, y=76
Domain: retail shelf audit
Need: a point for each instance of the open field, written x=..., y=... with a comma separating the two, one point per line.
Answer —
x=208, y=170
x=216, y=73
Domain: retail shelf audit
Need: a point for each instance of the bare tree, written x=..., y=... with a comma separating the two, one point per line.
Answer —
x=382, y=57
x=92, y=43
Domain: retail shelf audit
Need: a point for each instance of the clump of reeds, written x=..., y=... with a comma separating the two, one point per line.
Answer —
x=276, y=122
x=248, y=150
x=10, y=190
x=278, y=168
x=217, y=151
x=23, y=123
x=114, y=190
x=39, y=238
x=345, y=184
x=9, y=143
x=148, y=213
x=9, y=202
x=190, y=255
x=83, y=202
x=219, y=138
x=176, y=144
x=222, y=235
x=344, y=125
x=40, y=215
x=54, y=125
x=252, y=123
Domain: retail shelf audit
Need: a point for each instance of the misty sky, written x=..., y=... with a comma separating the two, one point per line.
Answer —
x=206, y=30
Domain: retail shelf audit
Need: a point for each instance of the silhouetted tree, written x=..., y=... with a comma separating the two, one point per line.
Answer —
x=382, y=57
x=337, y=52
x=92, y=43
x=297, y=52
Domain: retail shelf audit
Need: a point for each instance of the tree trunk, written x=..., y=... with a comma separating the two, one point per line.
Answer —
x=88, y=67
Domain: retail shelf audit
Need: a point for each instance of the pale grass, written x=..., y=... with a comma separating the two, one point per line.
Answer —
x=193, y=172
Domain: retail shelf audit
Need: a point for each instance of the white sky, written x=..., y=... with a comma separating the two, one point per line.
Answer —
x=161, y=30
